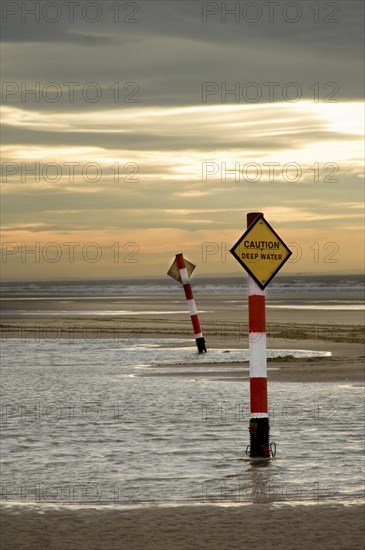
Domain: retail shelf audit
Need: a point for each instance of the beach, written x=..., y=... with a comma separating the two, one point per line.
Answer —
x=225, y=318
x=187, y=528
x=182, y=297
x=177, y=453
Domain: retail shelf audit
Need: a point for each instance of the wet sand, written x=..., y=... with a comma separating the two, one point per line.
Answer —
x=225, y=325
x=186, y=528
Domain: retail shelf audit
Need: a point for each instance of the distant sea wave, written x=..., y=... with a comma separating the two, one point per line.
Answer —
x=203, y=285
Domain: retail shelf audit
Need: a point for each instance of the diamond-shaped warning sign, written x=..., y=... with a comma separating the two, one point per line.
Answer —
x=261, y=252
x=175, y=273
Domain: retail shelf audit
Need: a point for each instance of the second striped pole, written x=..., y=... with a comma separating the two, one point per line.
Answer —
x=200, y=341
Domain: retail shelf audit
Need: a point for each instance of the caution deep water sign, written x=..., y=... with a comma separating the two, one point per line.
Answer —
x=261, y=252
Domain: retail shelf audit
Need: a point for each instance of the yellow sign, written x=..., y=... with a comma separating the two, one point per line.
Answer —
x=261, y=252
x=175, y=273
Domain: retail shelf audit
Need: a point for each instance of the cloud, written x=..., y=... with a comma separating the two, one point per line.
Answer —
x=170, y=53
x=260, y=128
x=171, y=132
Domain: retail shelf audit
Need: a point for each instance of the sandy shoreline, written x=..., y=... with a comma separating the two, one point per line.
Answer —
x=224, y=320
x=320, y=369
x=211, y=527
x=345, y=364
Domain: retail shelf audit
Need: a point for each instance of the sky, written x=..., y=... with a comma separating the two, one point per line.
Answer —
x=133, y=131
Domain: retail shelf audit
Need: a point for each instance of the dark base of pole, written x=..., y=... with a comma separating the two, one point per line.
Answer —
x=259, y=437
x=200, y=342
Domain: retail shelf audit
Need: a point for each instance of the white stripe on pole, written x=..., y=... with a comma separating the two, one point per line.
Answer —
x=258, y=355
x=192, y=307
x=254, y=289
x=184, y=276
x=259, y=415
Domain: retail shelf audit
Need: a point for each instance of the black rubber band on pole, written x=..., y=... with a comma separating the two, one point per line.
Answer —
x=259, y=438
x=200, y=342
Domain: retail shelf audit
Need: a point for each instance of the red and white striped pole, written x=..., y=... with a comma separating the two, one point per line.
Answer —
x=259, y=416
x=200, y=341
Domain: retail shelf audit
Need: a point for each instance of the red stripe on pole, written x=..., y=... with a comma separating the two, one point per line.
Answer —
x=196, y=324
x=258, y=391
x=188, y=292
x=257, y=320
x=251, y=217
x=180, y=261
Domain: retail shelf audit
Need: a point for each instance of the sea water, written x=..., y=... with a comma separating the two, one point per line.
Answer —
x=139, y=421
x=132, y=421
